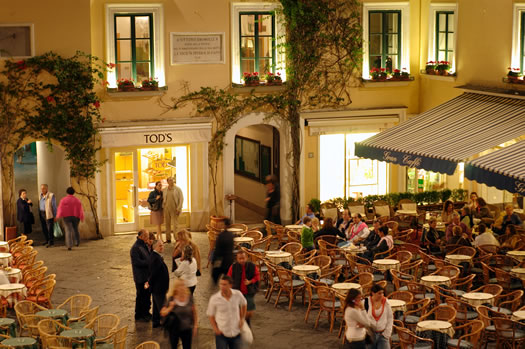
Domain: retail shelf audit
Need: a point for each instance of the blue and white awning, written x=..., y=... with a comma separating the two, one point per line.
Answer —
x=438, y=139
x=503, y=169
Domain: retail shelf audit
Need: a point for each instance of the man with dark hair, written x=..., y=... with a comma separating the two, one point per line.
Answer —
x=140, y=256
x=223, y=253
x=159, y=280
x=309, y=213
x=226, y=311
x=273, y=200
x=245, y=276
x=48, y=209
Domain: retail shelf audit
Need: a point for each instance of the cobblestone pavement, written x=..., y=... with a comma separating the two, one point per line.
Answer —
x=102, y=269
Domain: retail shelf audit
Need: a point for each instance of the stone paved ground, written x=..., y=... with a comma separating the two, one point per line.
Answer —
x=102, y=269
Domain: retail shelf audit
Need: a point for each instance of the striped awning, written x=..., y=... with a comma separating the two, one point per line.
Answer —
x=438, y=139
x=503, y=169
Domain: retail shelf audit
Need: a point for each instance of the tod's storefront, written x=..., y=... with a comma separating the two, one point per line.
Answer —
x=138, y=156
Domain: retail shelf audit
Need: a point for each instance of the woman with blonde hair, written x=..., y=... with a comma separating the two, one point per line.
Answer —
x=180, y=315
x=187, y=268
x=182, y=239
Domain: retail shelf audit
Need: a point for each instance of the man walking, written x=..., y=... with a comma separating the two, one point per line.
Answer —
x=70, y=208
x=140, y=265
x=226, y=311
x=159, y=280
x=172, y=206
x=245, y=276
x=48, y=209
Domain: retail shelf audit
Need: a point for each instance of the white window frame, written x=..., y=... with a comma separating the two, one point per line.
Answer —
x=157, y=12
x=436, y=7
x=236, y=9
x=404, y=7
x=31, y=37
x=516, y=31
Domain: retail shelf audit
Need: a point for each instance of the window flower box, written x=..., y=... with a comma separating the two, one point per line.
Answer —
x=125, y=85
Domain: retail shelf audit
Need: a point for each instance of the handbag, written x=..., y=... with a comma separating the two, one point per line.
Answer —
x=246, y=334
x=169, y=321
x=57, y=231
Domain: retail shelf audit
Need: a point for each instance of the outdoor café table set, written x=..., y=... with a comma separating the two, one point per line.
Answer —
x=457, y=259
x=437, y=330
x=13, y=291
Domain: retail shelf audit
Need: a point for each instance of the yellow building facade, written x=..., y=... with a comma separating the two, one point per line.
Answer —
x=195, y=44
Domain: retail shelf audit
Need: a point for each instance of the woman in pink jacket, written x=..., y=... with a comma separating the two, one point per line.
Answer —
x=70, y=208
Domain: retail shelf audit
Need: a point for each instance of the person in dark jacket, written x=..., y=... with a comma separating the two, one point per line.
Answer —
x=344, y=223
x=273, y=200
x=329, y=229
x=24, y=214
x=223, y=253
x=159, y=280
x=140, y=265
x=373, y=238
x=245, y=276
x=155, y=206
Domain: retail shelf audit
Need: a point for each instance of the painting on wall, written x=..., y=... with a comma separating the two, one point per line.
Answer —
x=16, y=40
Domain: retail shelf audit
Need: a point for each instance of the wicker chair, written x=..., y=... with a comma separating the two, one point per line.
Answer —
x=103, y=325
x=30, y=277
x=409, y=340
x=244, y=227
x=509, y=333
x=118, y=338
x=254, y=234
x=49, y=327
x=293, y=236
x=472, y=333
x=464, y=250
x=85, y=318
x=289, y=286
x=402, y=256
x=463, y=285
x=402, y=295
x=508, y=303
x=41, y=293
x=302, y=258
x=507, y=281
x=486, y=315
x=412, y=268
x=495, y=290
x=76, y=305
x=442, y=313
x=322, y=262
x=23, y=309
x=312, y=296
x=30, y=325
x=330, y=276
x=273, y=281
x=261, y=245
x=327, y=304
x=401, y=280
x=148, y=345
x=60, y=342
x=464, y=311
x=292, y=247
x=382, y=255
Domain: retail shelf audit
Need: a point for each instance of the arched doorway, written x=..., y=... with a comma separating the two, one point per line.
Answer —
x=35, y=164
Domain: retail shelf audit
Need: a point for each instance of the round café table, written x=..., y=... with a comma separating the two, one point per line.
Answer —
x=397, y=305
x=4, y=246
x=457, y=259
x=478, y=298
x=21, y=342
x=305, y=269
x=295, y=227
x=235, y=231
x=386, y=264
x=353, y=249
x=5, y=258
x=519, y=255
x=518, y=272
x=55, y=314
x=14, y=275
x=277, y=257
x=81, y=334
x=13, y=292
x=344, y=287
x=8, y=326
x=431, y=280
x=241, y=240
x=518, y=315
x=438, y=331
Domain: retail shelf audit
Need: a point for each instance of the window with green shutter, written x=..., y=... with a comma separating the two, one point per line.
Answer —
x=445, y=35
x=257, y=42
x=384, y=40
x=134, y=46
x=522, y=42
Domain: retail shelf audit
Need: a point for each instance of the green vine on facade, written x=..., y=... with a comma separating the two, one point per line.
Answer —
x=52, y=98
x=323, y=49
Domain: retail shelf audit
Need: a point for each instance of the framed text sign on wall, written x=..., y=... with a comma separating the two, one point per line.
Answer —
x=197, y=48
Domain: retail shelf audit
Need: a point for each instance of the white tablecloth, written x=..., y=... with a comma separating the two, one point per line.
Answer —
x=397, y=305
x=478, y=298
x=277, y=257
x=457, y=259
x=519, y=255
x=518, y=272
x=436, y=325
x=294, y=227
x=4, y=246
x=13, y=292
x=518, y=315
x=343, y=287
x=305, y=269
x=5, y=258
x=386, y=264
x=14, y=275
x=431, y=280
x=243, y=240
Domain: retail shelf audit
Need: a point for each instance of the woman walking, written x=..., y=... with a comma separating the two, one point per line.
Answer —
x=180, y=315
x=381, y=316
x=182, y=239
x=24, y=214
x=187, y=268
x=70, y=208
x=155, y=206
x=357, y=321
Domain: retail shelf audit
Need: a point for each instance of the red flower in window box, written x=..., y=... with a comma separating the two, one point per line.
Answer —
x=125, y=85
x=251, y=79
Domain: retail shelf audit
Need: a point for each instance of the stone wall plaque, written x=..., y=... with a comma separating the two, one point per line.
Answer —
x=197, y=48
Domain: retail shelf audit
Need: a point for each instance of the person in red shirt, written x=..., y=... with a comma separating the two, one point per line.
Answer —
x=246, y=278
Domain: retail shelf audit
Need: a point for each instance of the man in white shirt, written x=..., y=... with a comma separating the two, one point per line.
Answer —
x=226, y=311
x=485, y=237
x=172, y=206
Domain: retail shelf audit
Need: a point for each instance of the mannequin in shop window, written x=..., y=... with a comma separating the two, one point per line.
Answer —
x=172, y=205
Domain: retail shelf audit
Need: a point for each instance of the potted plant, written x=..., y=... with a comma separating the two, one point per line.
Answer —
x=396, y=76
x=150, y=85
x=125, y=85
x=378, y=74
x=430, y=67
x=514, y=74
x=251, y=79
x=443, y=67
x=273, y=79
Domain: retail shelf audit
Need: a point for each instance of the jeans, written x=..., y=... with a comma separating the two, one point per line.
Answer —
x=222, y=342
x=72, y=235
x=185, y=337
x=354, y=345
x=142, y=301
x=380, y=342
x=47, y=227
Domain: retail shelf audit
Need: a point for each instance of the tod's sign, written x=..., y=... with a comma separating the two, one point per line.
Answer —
x=407, y=160
x=154, y=138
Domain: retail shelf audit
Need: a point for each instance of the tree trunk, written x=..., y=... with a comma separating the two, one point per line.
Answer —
x=295, y=132
x=8, y=190
x=92, y=199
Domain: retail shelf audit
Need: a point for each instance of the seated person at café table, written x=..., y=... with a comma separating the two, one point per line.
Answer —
x=513, y=241
x=315, y=224
x=385, y=243
x=373, y=237
x=485, y=237
x=448, y=210
x=309, y=213
x=307, y=235
x=509, y=217
x=459, y=238
x=358, y=230
x=343, y=224
x=329, y=229
x=482, y=210
x=432, y=235
x=456, y=223
x=466, y=217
